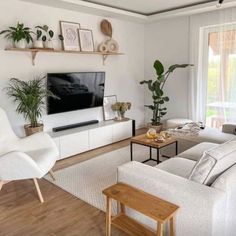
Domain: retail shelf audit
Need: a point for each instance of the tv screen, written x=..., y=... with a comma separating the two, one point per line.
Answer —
x=75, y=91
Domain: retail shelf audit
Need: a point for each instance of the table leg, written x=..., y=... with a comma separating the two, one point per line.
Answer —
x=122, y=208
x=158, y=156
x=108, y=217
x=150, y=153
x=172, y=226
x=176, y=148
x=160, y=229
x=131, y=151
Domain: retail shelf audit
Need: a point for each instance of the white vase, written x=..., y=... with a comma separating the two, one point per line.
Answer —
x=20, y=44
x=48, y=44
x=38, y=44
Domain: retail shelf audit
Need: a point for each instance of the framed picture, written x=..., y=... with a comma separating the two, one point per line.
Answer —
x=109, y=114
x=86, y=40
x=69, y=31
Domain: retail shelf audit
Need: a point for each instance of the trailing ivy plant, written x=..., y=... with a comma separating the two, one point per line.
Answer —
x=156, y=88
x=18, y=33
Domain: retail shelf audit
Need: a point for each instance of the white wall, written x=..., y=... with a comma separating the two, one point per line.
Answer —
x=168, y=41
x=123, y=73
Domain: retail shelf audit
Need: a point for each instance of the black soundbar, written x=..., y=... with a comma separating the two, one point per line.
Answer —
x=65, y=127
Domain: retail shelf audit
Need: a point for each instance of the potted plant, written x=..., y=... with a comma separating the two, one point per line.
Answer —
x=156, y=88
x=46, y=36
x=20, y=35
x=30, y=98
x=121, y=108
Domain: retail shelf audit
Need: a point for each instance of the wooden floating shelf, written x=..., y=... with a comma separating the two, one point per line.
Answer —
x=35, y=51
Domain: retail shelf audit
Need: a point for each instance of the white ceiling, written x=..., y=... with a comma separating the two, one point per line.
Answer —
x=147, y=7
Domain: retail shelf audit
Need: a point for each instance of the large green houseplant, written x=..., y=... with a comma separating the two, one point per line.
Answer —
x=156, y=88
x=19, y=34
x=30, y=99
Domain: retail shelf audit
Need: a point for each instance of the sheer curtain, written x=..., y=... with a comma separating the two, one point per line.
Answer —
x=212, y=86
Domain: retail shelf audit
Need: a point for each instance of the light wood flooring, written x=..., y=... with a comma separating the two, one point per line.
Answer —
x=62, y=214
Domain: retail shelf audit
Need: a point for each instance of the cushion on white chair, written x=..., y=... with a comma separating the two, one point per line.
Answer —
x=173, y=123
x=214, y=162
x=196, y=152
x=177, y=166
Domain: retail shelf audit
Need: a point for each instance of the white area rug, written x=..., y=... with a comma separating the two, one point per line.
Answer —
x=88, y=179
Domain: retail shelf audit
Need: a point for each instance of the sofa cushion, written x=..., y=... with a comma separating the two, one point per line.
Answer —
x=177, y=166
x=214, y=162
x=196, y=152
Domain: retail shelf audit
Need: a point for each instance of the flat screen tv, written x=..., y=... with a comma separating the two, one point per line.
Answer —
x=75, y=91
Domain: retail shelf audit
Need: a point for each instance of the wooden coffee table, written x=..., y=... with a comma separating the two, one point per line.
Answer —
x=127, y=196
x=144, y=141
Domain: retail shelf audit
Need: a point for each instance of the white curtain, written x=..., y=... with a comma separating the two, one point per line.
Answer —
x=212, y=92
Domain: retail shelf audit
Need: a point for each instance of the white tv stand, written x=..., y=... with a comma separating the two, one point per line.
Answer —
x=74, y=141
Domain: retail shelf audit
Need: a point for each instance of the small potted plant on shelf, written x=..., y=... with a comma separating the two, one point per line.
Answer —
x=121, y=108
x=46, y=36
x=30, y=98
x=20, y=35
x=156, y=88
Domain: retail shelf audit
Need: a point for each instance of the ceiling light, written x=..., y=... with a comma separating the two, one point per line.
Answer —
x=218, y=5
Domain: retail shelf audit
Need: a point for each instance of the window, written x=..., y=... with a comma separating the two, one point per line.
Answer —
x=221, y=76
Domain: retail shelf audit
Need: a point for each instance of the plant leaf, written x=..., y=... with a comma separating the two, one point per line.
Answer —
x=158, y=67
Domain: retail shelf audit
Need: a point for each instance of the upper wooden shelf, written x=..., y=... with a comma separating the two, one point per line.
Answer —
x=34, y=52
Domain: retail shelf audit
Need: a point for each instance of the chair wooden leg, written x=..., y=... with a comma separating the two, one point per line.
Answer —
x=52, y=175
x=38, y=190
x=1, y=184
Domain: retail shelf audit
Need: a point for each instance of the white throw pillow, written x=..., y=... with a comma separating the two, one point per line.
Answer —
x=214, y=162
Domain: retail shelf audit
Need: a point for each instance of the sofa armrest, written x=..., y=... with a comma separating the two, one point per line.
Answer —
x=18, y=165
x=199, y=204
x=229, y=128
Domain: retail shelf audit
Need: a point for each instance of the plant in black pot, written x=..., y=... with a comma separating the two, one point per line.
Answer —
x=156, y=87
x=30, y=97
x=19, y=34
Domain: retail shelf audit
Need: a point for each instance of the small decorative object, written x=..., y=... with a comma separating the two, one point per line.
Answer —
x=20, y=35
x=86, y=40
x=103, y=47
x=46, y=35
x=30, y=98
x=121, y=108
x=160, y=139
x=108, y=45
x=69, y=31
x=151, y=134
x=156, y=88
x=109, y=114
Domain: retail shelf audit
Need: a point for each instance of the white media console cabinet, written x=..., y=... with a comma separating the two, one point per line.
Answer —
x=74, y=141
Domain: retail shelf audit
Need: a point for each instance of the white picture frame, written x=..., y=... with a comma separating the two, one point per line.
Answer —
x=86, y=40
x=69, y=31
x=108, y=113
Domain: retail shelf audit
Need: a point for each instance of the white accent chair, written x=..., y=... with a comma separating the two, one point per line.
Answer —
x=25, y=158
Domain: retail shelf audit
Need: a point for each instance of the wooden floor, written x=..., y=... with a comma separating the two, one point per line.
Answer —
x=62, y=214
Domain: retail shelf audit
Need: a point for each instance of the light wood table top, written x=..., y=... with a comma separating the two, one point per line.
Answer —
x=143, y=140
x=152, y=206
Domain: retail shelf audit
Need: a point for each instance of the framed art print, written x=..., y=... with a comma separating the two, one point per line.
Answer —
x=69, y=31
x=109, y=114
x=86, y=40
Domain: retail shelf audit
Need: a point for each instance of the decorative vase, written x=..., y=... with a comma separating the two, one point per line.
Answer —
x=32, y=130
x=158, y=128
x=48, y=44
x=20, y=44
x=120, y=115
x=38, y=44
